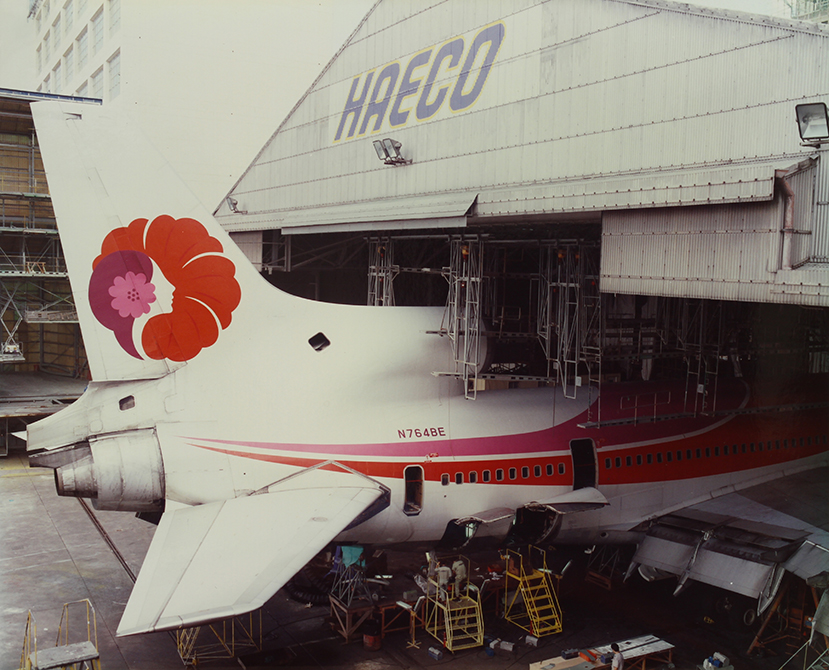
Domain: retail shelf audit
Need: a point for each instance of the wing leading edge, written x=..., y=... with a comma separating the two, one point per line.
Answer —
x=226, y=558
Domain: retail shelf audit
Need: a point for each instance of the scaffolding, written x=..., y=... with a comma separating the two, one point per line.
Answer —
x=381, y=272
x=452, y=611
x=463, y=311
x=226, y=638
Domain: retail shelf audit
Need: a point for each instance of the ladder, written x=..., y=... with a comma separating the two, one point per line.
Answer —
x=530, y=600
x=76, y=655
x=453, y=614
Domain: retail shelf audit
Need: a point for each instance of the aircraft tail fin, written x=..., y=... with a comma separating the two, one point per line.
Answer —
x=154, y=277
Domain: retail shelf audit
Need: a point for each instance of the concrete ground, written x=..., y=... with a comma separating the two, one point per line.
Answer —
x=51, y=552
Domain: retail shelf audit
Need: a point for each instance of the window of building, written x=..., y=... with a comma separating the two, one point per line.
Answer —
x=114, y=65
x=513, y=473
x=499, y=475
x=39, y=21
x=46, y=84
x=98, y=83
x=114, y=16
x=47, y=47
x=83, y=90
x=46, y=9
x=57, y=77
x=68, y=17
x=459, y=478
x=473, y=477
x=68, y=66
x=98, y=31
x=56, y=34
x=83, y=48
x=39, y=59
x=485, y=475
x=81, y=6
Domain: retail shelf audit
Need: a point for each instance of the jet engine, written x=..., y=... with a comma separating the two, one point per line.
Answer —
x=121, y=472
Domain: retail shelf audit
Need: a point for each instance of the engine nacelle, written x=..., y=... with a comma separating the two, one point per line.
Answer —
x=122, y=472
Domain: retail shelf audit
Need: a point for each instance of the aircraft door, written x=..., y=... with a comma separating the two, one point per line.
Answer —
x=583, y=452
x=413, y=496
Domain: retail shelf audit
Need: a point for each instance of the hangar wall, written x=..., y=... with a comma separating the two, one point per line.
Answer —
x=559, y=111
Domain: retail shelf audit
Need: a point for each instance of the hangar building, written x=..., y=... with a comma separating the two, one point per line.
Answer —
x=621, y=182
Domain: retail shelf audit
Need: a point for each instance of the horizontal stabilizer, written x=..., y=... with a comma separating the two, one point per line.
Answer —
x=579, y=500
x=226, y=558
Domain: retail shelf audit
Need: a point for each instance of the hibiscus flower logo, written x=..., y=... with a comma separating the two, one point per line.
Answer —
x=205, y=291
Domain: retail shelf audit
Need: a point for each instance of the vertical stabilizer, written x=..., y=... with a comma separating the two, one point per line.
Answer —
x=155, y=279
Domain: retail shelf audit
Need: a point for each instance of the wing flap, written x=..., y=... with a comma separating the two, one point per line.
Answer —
x=226, y=558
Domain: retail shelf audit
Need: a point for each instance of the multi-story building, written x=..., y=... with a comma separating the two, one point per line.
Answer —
x=810, y=10
x=78, y=47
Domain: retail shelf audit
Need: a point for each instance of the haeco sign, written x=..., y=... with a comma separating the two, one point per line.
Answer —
x=453, y=73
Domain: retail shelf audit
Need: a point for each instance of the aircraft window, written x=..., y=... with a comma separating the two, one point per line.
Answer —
x=628, y=461
x=759, y=446
x=751, y=447
x=725, y=450
x=768, y=445
x=319, y=342
x=638, y=459
x=679, y=454
x=444, y=479
x=650, y=459
x=550, y=469
x=785, y=444
x=562, y=468
x=513, y=473
x=669, y=456
x=707, y=452
x=485, y=475
x=499, y=474
x=413, y=476
x=536, y=471
x=126, y=403
x=809, y=440
x=525, y=472
x=459, y=478
x=659, y=457
x=618, y=462
x=716, y=451
x=473, y=477
x=688, y=454
x=801, y=441
x=607, y=464
x=699, y=453
x=777, y=444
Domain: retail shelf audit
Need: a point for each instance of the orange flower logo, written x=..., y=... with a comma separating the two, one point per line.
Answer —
x=205, y=291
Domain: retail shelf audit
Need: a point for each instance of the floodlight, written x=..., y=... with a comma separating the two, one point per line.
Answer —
x=381, y=152
x=813, y=122
x=388, y=151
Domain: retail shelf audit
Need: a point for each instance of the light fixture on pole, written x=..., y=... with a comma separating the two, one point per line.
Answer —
x=813, y=123
x=388, y=151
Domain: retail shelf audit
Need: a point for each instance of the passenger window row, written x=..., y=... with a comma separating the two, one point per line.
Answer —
x=511, y=474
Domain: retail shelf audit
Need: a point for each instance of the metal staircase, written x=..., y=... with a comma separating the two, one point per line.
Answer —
x=530, y=600
x=79, y=655
x=453, y=614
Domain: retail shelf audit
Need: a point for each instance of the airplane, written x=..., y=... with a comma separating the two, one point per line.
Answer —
x=264, y=427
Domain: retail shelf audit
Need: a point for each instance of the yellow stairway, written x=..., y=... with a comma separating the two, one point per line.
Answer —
x=530, y=599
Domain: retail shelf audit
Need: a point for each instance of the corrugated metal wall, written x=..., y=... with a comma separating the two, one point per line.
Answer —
x=577, y=90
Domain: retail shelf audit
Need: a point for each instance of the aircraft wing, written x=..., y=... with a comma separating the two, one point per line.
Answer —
x=745, y=541
x=227, y=558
